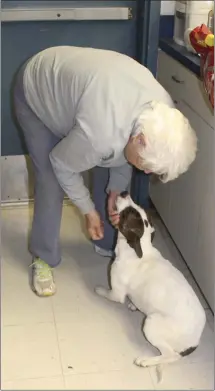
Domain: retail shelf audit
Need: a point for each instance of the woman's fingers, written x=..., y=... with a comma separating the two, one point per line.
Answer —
x=114, y=219
x=99, y=233
x=96, y=233
x=112, y=212
x=112, y=202
x=95, y=226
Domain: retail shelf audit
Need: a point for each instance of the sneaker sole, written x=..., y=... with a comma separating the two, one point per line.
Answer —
x=44, y=294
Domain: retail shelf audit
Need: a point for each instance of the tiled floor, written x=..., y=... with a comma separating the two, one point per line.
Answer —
x=76, y=340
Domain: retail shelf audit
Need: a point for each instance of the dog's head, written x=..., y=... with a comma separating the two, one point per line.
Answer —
x=134, y=224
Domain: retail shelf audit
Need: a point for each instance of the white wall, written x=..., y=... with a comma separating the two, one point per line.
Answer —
x=167, y=7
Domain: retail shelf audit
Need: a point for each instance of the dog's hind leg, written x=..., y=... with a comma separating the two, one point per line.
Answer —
x=158, y=331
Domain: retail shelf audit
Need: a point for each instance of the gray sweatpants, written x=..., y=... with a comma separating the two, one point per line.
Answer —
x=48, y=195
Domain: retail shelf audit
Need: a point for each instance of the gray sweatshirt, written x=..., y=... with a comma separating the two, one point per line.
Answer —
x=91, y=99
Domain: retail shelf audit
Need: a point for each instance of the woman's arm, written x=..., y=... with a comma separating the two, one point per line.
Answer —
x=120, y=178
x=70, y=157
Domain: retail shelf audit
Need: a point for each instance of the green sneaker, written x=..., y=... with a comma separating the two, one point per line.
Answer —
x=43, y=283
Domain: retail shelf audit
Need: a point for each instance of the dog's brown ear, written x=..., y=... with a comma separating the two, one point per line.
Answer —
x=131, y=226
x=152, y=236
x=135, y=244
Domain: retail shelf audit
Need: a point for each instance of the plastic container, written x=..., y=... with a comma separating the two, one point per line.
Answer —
x=190, y=14
x=211, y=20
x=197, y=13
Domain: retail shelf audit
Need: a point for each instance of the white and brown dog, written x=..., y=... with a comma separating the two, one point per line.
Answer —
x=175, y=318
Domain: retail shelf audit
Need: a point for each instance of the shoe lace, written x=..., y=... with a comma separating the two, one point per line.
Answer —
x=43, y=269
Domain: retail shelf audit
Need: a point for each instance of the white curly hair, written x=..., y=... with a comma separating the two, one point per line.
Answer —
x=170, y=141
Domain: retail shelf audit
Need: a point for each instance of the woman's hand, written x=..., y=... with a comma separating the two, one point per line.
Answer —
x=94, y=225
x=112, y=211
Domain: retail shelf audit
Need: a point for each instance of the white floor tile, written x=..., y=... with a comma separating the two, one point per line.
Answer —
x=92, y=341
x=52, y=383
x=20, y=306
x=193, y=376
x=72, y=226
x=76, y=280
x=175, y=377
x=101, y=346
x=29, y=352
x=179, y=376
x=133, y=379
x=201, y=376
x=15, y=248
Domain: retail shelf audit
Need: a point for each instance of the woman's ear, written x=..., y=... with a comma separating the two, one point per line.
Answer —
x=140, y=138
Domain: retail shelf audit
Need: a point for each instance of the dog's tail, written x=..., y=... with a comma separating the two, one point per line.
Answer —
x=167, y=360
x=159, y=373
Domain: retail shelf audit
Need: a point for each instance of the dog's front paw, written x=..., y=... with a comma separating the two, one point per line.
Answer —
x=101, y=291
x=141, y=362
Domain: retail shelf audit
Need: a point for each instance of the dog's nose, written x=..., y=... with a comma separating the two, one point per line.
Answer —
x=124, y=194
